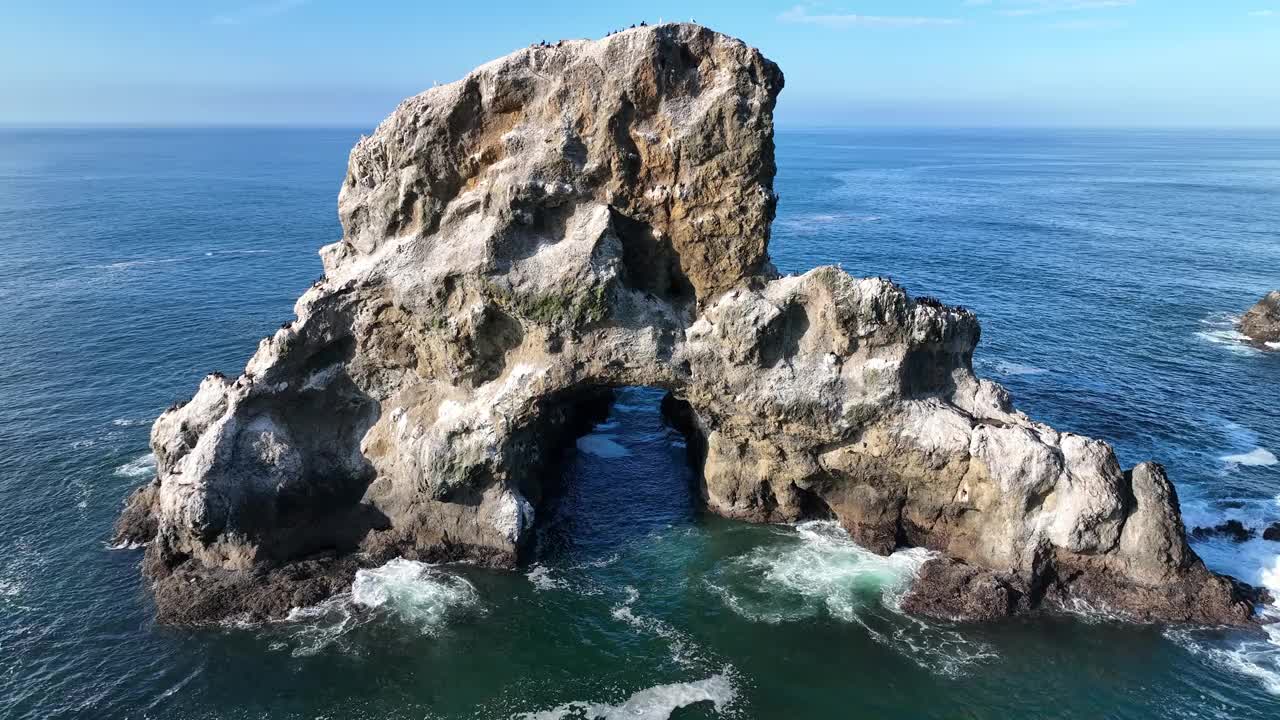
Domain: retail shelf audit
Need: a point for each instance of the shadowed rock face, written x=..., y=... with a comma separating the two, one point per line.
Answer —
x=1262, y=321
x=589, y=215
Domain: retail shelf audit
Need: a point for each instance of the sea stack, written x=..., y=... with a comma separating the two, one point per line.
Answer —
x=594, y=214
x=1262, y=321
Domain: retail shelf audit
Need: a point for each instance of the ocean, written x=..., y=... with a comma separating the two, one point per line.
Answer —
x=1106, y=267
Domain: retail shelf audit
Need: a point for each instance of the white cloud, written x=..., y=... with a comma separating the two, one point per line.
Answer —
x=255, y=12
x=800, y=15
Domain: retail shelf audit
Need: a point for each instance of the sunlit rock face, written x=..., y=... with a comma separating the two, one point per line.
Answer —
x=593, y=214
x=1261, y=323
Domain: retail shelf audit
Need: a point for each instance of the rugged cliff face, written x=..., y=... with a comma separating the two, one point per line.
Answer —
x=1262, y=321
x=588, y=215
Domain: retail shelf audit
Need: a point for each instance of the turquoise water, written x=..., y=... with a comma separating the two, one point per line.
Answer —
x=1105, y=268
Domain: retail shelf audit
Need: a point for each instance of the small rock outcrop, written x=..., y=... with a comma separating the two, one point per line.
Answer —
x=587, y=215
x=1233, y=530
x=1261, y=323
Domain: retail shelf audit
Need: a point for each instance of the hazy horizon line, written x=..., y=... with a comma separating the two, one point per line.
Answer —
x=783, y=126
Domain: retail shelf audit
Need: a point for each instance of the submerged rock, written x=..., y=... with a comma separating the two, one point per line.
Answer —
x=1262, y=321
x=1233, y=530
x=1272, y=532
x=589, y=215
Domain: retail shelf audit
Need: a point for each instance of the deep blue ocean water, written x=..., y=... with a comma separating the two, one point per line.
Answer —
x=1105, y=266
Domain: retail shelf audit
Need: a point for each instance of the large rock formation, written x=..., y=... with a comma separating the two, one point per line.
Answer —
x=1262, y=321
x=588, y=215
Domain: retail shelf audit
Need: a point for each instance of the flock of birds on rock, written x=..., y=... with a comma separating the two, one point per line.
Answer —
x=558, y=43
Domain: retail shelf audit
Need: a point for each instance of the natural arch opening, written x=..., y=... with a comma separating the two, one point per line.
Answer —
x=632, y=468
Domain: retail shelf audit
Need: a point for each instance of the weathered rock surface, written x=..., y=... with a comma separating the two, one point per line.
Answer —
x=1262, y=321
x=589, y=215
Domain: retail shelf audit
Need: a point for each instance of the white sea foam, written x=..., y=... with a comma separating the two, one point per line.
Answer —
x=826, y=572
x=683, y=650
x=1252, y=655
x=138, y=467
x=20, y=563
x=1254, y=458
x=415, y=592
x=818, y=221
x=1273, y=345
x=1222, y=332
x=404, y=590
x=1253, y=561
x=655, y=703
x=129, y=422
x=602, y=446
x=1005, y=367
x=543, y=580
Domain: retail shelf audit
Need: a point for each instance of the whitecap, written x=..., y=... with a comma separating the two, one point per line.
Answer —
x=542, y=579
x=129, y=422
x=1231, y=339
x=655, y=703
x=414, y=592
x=1254, y=458
x=1005, y=367
x=602, y=446
x=1273, y=345
x=825, y=572
x=598, y=562
x=402, y=590
x=138, y=467
x=1254, y=656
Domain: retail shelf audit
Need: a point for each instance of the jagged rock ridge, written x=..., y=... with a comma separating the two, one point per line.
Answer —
x=588, y=215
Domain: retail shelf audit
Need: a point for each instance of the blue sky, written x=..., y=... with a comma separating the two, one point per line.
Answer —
x=862, y=62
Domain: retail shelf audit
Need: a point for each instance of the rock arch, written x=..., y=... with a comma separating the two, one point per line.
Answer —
x=596, y=214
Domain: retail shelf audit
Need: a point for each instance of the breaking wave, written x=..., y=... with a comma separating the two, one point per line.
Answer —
x=405, y=591
x=821, y=571
x=1255, y=656
x=825, y=571
x=1005, y=367
x=602, y=446
x=414, y=592
x=655, y=703
x=1221, y=330
x=1254, y=458
x=138, y=467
